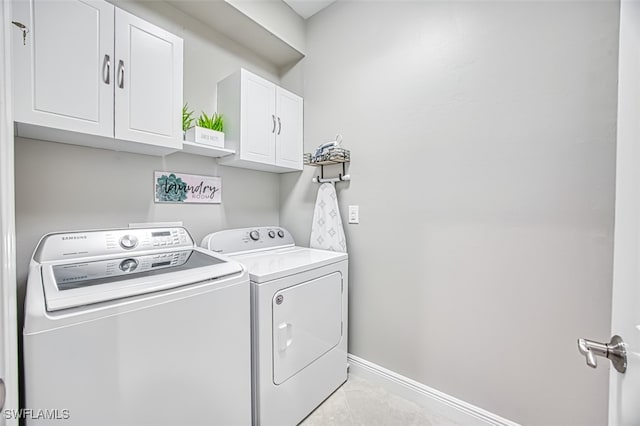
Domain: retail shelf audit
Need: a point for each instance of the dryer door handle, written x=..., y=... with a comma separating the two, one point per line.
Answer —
x=285, y=336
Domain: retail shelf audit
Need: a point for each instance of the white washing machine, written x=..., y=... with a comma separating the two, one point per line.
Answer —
x=135, y=327
x=299, y=320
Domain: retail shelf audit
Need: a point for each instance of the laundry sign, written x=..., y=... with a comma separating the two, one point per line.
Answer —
x=171, y=187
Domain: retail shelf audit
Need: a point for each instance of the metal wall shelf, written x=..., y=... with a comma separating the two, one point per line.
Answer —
x=331, y=157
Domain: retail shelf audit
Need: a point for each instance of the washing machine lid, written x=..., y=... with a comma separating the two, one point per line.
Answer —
x=271, y=265
x=78, y=283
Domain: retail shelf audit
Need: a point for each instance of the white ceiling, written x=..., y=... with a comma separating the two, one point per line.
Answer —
x=307, y=8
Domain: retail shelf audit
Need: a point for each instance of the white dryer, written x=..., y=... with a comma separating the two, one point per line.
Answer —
x=299, y=320
x=133, y=327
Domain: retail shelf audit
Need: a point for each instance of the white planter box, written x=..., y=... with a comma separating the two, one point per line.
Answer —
x=205, y=137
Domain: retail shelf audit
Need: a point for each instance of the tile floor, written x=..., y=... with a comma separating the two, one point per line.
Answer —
x=362, y=403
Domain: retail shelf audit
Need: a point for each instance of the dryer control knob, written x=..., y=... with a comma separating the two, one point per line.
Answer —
x=128, y=242
x=272, y=234
x=281, y=233
x=255, y=235
x=128, y=265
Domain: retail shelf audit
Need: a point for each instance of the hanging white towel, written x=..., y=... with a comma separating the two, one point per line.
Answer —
x=326, y=230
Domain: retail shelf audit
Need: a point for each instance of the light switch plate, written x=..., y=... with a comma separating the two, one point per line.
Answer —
x=354, y=214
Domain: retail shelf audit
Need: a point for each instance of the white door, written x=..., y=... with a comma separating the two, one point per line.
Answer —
x=289, y=134
x=148, y=78
x=624, y=389
x=63, y=67
x=8, y=321
x=624, y=383
x=258, y=120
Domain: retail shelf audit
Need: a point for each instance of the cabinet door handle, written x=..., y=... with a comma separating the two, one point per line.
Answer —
x=279, y=125
x=273, y=117
x=106, y=69
x=3, y=394
x=121, y=74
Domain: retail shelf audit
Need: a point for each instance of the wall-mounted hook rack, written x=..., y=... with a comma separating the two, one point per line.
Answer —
x=341, y=176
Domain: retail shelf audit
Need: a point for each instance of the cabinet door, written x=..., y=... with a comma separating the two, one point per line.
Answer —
x=63, y=68
x=258, y=119
x=148, y=79
x=289, y=134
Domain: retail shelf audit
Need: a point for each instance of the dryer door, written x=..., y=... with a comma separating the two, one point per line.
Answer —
x=307, y=323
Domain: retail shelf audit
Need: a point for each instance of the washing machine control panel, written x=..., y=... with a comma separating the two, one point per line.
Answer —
x=150, y=238
x=100, y=243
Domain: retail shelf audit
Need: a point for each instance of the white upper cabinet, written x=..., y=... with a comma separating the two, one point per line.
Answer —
x=62, y=69
x=89, y=68
x=263, y=123
x=289, y=135
x=258, y=119
x=148, y=80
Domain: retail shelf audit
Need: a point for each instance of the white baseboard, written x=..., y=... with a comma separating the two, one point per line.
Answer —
x=435, y=401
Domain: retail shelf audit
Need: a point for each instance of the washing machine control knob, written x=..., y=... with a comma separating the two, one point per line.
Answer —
x=272, y=234
x=281, y=233
x=128, y=242
x=255, y=235
x=128, y=265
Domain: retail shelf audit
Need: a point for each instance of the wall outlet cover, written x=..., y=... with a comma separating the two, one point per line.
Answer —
x=354, y=214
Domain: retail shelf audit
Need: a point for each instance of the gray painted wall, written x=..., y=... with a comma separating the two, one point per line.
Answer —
x=64, y=187
x=483, y=146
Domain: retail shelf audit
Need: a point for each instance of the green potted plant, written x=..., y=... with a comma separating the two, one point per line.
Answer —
x=215, y=122
x=187, y=119
x=208, y=130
